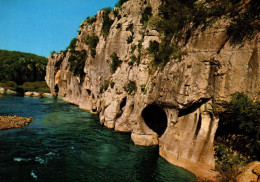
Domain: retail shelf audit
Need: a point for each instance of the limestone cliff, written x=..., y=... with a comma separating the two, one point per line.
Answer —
x=173, y=107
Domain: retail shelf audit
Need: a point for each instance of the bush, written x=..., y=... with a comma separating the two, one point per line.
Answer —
x=52, y=52
x=143, y=90
x=133, y=60
x=153, y=47
x=73, y=43
x=115, y=62
x=112, y=83
x=105, y=86
x=130, y=27
x=107, y=22
x=228, y=162
x=146, y=14
x=130, y=88
x=120, y=3
x=133, y=47
x=119, y=25
x=130, y=39
x=77, y=62
x=39, y=86
x=92, y=42
x=241, y=119
x=91, y=20
x=8, y=84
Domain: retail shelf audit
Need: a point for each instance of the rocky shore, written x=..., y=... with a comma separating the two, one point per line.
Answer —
x=8, y=122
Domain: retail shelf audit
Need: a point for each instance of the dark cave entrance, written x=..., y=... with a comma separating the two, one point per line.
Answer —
x=56, y=89
x=155, y=118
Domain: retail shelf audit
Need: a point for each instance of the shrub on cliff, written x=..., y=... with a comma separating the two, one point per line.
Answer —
x=120, y=3
x=239, y=125
x=73, y=43
x=107, y=22
x=92, y=42
x=91, y=20
x=115, y=62
x=146, y=14
x=77, y=62
x=131, y=88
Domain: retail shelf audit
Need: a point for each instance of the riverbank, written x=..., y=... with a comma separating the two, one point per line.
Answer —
x=9, y=122
x=29, y=94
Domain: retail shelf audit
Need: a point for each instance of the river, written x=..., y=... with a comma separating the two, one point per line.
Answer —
x=65, y=143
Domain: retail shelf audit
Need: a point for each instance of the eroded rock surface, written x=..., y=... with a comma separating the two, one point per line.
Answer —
x=185, y=91
x=251, y=173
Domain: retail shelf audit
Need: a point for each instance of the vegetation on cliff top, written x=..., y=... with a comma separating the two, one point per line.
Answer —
x=176, y=19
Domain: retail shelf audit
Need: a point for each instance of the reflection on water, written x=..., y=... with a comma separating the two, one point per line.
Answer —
x=64, y=143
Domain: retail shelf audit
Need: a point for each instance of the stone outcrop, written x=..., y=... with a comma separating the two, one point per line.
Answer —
x=185, y=91
x=251, y=173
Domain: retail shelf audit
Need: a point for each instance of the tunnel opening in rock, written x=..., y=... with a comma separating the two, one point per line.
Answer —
x=123, y=103
x=155, y=118
x=88, y=91
x=56, y=88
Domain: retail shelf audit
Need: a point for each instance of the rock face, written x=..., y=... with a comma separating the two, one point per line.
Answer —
x=250, y=173
x=173, y=107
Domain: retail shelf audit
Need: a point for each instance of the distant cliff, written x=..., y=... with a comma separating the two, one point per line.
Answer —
x=161, y=75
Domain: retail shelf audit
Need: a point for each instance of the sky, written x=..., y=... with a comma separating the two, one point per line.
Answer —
x=42, y=26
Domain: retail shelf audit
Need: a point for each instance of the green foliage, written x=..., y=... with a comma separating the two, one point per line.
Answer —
x=115, y=62
x=107, y=9
x=8, y=84
x=130, y=39
x=73, y=43
x=77, y=62
x=92, y=42
x=21, y=67
x=120, y=3
x=228, y=162
x=133, y=60
x=146, y=14
x=174, y=15
x=91, y=20
x=52, y=52
x=153, y=47
x=106, y=84
x=88, y=20
x=131, y=88
x=163, y=52
x=245, y=24
x=143, y=90
x=39, y=86
x=130, y=27
x=242, y=119
x=107, y=22
x=119, y=25
x=112, y=83
x=133, y=47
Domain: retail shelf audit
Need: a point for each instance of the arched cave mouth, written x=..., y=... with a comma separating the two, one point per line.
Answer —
x=155, y=118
